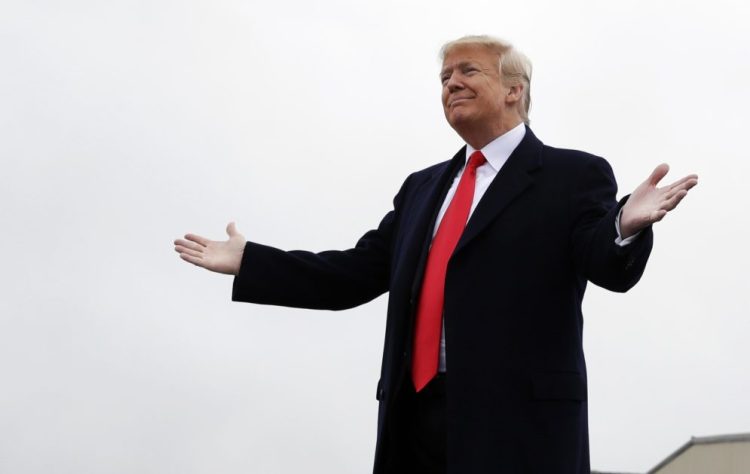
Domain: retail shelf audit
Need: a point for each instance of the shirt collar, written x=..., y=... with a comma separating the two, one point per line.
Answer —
x=498, y=150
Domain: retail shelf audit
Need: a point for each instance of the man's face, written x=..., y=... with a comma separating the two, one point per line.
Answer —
x=473, y=91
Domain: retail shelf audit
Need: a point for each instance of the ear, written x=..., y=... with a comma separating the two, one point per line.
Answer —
x=514, y=95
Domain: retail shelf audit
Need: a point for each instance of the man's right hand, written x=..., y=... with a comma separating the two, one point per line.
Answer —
x=220, y=257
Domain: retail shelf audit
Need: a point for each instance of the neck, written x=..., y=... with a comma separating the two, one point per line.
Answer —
x=479, y=137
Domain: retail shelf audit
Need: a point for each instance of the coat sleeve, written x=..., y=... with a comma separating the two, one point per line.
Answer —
x=594, y=210
x=334, y=279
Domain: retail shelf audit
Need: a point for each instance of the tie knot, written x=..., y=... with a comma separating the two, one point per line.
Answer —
x=476, y=160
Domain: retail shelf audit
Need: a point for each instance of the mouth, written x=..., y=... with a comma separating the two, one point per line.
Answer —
x=458, y=101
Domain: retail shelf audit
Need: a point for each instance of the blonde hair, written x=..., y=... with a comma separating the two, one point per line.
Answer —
x=515, y=67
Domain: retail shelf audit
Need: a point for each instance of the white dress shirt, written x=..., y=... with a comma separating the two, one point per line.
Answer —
x=497, y=153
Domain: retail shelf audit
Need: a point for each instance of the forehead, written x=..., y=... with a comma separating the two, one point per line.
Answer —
x=469, y=54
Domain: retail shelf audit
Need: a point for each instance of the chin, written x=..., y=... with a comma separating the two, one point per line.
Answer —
x=458, y=119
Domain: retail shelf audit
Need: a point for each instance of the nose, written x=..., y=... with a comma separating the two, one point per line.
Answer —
x=454, y=82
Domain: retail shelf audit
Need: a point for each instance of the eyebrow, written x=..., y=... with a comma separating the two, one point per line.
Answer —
x=459, y=65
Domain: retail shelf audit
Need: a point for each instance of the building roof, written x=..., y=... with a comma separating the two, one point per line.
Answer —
x=695, y=440
x=610, y=472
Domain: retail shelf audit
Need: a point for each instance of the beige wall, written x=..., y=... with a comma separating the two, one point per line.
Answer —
x=716, y=458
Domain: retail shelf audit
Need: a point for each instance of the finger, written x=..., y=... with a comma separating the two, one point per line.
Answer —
x=191, y=259
x=685, y=186
x=674, y=201
x=189, y=245
x=690, y=178
x=658, y=173
x=180, y=249
x=198, y=239
x=232, y=229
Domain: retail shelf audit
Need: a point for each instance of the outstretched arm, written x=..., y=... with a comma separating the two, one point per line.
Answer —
x=217, y=256
x=323, y=280
x=599, y=259
x=649, y=204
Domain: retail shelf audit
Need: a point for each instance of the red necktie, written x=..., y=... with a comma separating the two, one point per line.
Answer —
x=428, y=324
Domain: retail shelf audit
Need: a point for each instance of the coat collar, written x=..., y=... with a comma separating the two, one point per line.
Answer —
x=512, y=180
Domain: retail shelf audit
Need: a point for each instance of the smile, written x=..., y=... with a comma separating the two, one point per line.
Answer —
x=458, y=101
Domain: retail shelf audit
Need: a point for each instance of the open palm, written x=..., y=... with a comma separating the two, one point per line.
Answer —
x=649, y=204
x=217, y=256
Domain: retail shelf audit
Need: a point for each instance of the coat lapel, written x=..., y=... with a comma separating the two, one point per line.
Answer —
x=434, y=190
x=512, y=180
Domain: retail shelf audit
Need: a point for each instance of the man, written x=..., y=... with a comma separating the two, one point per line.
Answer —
x=483, y=368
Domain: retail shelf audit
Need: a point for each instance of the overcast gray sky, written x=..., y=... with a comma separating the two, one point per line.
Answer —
x=125, y=124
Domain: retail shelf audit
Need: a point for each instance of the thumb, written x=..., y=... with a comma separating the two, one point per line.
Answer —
x=658, y=173
x=232, y=229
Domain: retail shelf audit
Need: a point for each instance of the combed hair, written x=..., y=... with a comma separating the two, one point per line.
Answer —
x=515, y=67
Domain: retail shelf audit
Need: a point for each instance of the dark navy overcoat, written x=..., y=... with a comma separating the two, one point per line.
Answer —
x=516, y=390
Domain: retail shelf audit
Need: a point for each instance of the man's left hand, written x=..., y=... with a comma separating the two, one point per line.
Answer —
x=649, y=204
